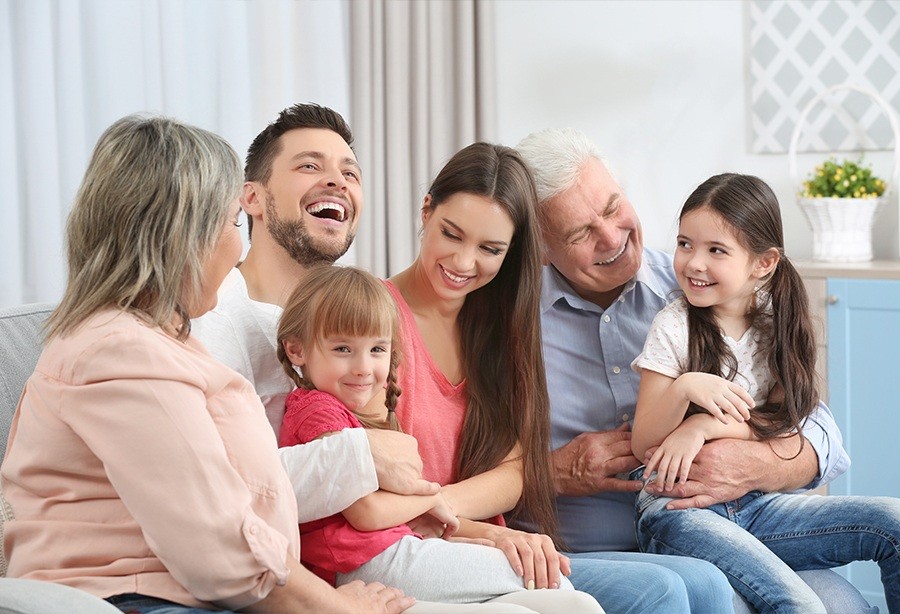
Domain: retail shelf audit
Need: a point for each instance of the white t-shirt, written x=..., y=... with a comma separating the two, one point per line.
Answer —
x=240, y=332
x=666, y=352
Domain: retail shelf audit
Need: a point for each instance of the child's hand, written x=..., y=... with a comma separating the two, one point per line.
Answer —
x=444, y=514
x=717, y=395
x=673, y=458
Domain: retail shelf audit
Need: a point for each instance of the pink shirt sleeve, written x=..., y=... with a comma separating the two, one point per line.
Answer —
x=176, y=452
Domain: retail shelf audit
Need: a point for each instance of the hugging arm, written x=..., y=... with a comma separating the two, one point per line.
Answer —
x=727, y=469
x=487, y=494
x=663, y=402
x=385, y=510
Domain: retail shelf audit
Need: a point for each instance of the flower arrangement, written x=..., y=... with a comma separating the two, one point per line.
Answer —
x=848, y=179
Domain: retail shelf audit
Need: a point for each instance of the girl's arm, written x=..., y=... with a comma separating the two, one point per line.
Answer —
x=385, y=510
x=487, y=494
x=672, y=460
x=663, y=401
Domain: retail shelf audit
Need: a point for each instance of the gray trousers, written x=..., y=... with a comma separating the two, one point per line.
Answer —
x=455, y=572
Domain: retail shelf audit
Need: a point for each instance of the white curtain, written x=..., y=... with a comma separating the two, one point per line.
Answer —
x=69, y=68
x=422, y=89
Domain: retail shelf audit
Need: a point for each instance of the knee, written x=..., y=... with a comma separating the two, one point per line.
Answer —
x=707, y=588
x=663, y=591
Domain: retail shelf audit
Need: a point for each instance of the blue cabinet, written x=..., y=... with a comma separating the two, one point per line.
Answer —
x=864, y=394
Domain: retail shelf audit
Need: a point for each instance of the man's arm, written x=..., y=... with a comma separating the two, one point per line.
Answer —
x=366, y=459
x=727, y=469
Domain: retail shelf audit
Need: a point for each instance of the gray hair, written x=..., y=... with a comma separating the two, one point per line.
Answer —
x=151, y=207
x=556, y=157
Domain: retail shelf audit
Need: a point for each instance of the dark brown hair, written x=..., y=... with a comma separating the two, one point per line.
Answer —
x=267, y=145
x=334, y=300
x=500, y=334
x=750, y=209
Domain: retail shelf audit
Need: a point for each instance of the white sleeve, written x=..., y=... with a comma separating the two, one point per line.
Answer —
x=338, y=470
x=665, y=350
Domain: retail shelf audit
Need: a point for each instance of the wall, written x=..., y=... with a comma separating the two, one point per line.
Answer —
x=659, y=86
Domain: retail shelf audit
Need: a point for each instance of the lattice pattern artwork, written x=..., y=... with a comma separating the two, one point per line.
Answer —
x=797, y=49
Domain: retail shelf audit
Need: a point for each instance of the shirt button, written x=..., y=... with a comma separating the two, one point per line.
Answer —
x=253, y=530
x=621, y=299
x=624, y=417
x=606, y=318
x=616, y=370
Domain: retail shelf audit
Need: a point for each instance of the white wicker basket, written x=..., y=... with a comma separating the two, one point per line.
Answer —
x=842, y=227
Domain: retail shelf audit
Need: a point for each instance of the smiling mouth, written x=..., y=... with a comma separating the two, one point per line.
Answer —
x=328, y=211
x=700, y=284
x=616, y=257
x=454, y=278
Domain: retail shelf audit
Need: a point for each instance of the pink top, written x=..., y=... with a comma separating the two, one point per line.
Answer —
x=330, y=545
x=430, y=408
x=139, y=464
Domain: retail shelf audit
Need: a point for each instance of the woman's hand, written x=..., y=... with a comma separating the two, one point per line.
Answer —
x=532, y=556
x=717, y=395
x=373, y=597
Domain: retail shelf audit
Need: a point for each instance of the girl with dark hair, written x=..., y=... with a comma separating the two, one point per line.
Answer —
x=474, y=392
x=340, y=327
x=735, y=358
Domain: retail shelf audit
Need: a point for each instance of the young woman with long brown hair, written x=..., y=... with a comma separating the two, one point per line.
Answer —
x=474, y=392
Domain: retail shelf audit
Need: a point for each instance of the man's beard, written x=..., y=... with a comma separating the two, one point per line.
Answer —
x=293, y=236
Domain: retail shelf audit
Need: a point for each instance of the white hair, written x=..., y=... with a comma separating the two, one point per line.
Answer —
x=556, y=157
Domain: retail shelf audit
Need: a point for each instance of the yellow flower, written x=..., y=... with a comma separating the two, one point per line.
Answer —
x=852, y=177
x=846, y=183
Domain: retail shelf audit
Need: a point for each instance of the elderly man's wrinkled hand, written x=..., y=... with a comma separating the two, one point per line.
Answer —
x=591, y=461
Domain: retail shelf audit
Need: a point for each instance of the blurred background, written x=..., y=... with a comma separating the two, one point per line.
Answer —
x=672, y=91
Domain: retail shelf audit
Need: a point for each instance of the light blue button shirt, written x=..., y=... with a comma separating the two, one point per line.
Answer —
x=588, y=353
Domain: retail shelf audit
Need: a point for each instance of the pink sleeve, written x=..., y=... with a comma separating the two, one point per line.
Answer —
x=174, y=457
x=309, y=414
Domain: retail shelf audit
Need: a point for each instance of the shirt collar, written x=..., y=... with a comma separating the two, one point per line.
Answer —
x=555, y=287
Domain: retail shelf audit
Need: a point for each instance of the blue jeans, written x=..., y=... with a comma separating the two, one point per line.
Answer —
x=760, y=540
x=634, y=582
x=133, y=603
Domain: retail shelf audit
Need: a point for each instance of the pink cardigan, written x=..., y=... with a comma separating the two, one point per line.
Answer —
x=138, y=463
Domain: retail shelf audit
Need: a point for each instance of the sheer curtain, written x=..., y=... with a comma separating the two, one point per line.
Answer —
x=69, y=68
x=422, y=89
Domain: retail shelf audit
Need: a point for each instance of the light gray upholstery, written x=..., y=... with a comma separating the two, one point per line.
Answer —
x=21, y=337
x=20, y=346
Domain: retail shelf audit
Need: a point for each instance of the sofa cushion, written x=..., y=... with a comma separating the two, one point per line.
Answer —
x=21, y=339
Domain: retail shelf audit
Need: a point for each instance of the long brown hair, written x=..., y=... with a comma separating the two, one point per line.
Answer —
x=334, y=300
x=749, y=207
x=500, y=334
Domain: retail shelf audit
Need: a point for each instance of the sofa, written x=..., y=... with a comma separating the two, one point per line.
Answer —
x=20, y=347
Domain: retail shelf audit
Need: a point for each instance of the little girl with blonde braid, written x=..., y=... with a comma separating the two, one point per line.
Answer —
x=340, y=326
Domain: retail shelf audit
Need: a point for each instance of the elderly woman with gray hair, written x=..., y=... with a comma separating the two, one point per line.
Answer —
x=139, y=468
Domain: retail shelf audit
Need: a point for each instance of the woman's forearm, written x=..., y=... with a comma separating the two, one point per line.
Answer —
x=487, y=494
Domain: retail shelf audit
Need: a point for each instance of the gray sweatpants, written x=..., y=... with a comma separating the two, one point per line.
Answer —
x=454, y=572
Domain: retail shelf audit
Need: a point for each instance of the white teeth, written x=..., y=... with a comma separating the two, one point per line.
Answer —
x=329, y=206
x=616, y=257
x=702, y=284
x=453, y=277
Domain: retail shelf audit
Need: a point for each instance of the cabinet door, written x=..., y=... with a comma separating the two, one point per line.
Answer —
x=864, y=382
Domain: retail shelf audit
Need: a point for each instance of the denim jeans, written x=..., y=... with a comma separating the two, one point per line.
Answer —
x=634, y=582
x=133, y=603
x=760, y=540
